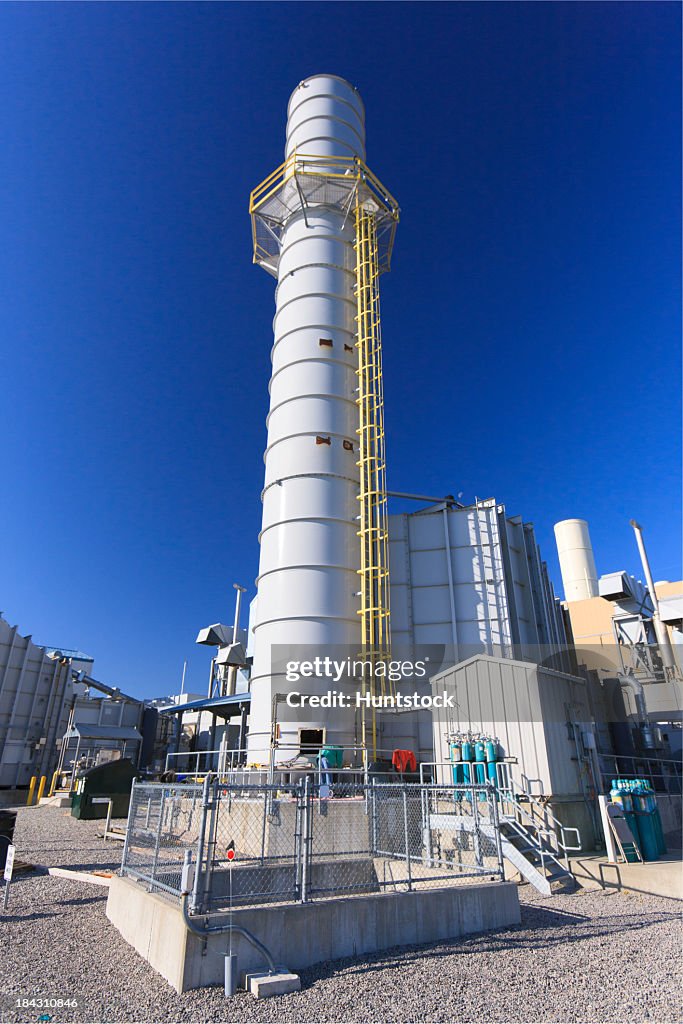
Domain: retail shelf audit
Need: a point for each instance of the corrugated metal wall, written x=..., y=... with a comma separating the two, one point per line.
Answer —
x=472, y=579
x=33, y=691
x=527, y=708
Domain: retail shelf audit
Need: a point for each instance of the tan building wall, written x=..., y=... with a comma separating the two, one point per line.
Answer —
x=668, y=589
x=591, y=623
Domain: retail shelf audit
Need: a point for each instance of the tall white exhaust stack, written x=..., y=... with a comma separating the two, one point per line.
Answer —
x=577, y=564
x=304, y=234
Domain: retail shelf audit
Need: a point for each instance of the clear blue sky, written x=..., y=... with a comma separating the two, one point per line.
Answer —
x=531, y=320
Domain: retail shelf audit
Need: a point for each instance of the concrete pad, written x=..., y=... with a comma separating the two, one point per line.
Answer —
x=56, y=801
x=663, y=877
x=262, y=984
x=95, y=878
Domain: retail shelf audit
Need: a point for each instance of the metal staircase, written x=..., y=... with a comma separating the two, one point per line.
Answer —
x=533, y=840
x=531, y=855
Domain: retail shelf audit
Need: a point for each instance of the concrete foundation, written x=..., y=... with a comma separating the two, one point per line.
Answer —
x=663, y=877
x=299, y=935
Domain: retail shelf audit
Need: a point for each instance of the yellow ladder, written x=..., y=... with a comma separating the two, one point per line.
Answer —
x=373, y=532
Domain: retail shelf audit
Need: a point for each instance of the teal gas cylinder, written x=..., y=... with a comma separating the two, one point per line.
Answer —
x=467, y=758
x=491, y=759
x=659, y=831
x=620, y=795
x=455, y=758
x=649, y=846
x=480, y=759
x=645, y=801
x=633, y=825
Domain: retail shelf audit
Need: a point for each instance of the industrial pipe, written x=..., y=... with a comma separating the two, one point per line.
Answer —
x=661, y=632
x=232, y=674
x=223, y=929
x=627, y=679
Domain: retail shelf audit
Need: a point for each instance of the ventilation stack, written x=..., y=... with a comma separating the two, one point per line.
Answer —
x=577, y=564
x=323, y=226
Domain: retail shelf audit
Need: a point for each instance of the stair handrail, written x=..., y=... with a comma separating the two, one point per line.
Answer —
x=520, y=830
x=557, y=830
x=505, y=784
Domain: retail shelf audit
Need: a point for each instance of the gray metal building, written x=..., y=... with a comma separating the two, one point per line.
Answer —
x=472, y=579
x=543, y=723
x=35, y=686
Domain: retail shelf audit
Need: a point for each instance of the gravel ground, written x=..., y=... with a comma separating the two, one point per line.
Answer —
x=587, y=957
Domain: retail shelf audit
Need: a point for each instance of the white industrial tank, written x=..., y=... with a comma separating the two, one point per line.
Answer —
x=577, y=564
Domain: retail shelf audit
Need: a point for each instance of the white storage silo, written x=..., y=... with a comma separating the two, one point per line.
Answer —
x=577, y=564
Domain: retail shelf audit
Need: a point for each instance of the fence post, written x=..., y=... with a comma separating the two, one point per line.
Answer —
x=495, y=821
x=298, y=843
x=373, y=812
x=157, y=840
x=264, y=823
x=129, y=826
x=425, y=797
x=307, y=840
x=475, y=818
x=194, y=902
x=407, y=838
x=211, y=841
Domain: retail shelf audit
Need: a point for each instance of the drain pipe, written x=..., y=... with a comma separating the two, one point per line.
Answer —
x=231, y=960
x=220, y=929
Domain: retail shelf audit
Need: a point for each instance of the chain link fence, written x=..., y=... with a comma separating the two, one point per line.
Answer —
x=261, y=844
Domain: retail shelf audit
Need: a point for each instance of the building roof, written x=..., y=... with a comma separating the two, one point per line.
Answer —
x=226, y=707
x=67, y=652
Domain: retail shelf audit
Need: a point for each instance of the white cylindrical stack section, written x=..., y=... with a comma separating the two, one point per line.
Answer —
x=577, y=564
x=325, y=117
x=308, y=582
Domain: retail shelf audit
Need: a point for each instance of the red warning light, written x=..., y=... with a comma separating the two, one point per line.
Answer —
x=231, y=854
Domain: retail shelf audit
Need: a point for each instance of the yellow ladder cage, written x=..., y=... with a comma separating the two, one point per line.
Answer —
x=374, y=529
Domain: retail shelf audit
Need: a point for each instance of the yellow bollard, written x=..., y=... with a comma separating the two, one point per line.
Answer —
x=31, y=789
x=53, y=783
x=41, y=788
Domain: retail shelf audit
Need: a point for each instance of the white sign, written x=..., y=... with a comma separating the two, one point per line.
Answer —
x=607, y=831
x=9, y=863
